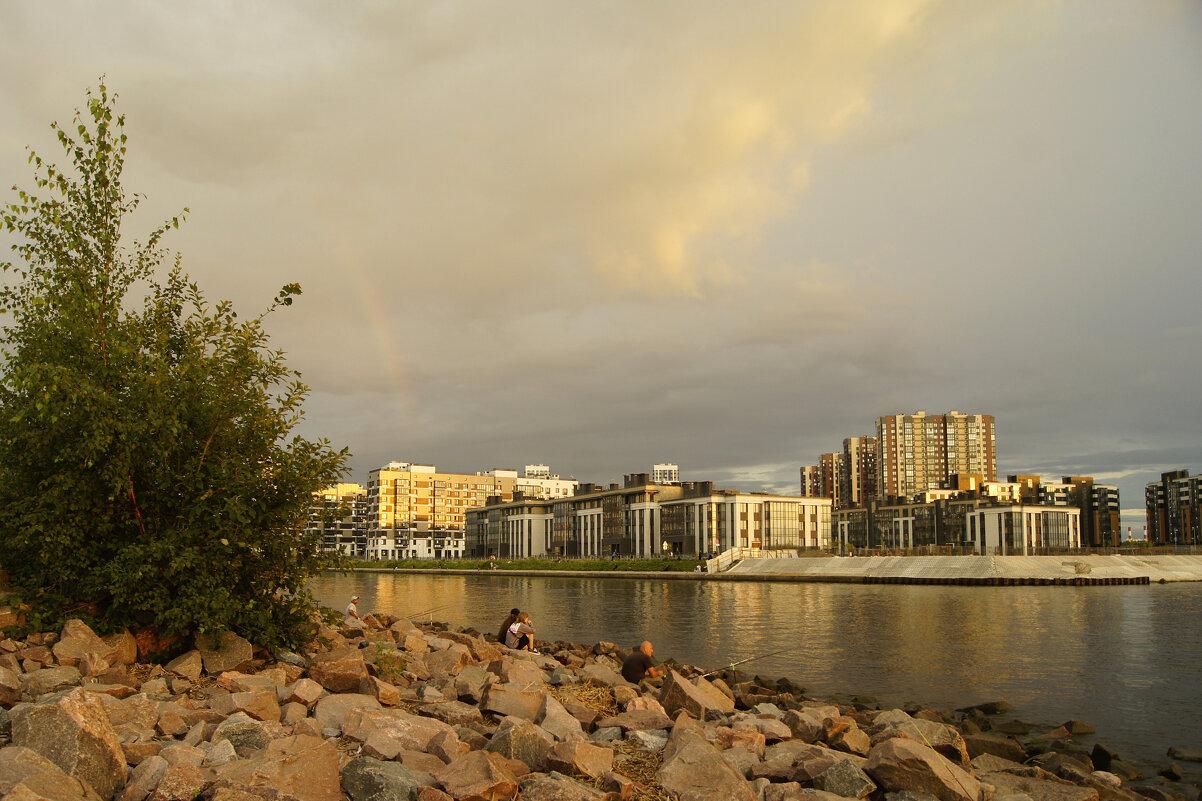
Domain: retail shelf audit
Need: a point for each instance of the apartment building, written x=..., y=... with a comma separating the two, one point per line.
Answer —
x=416, y=512
x=642, y=518
x=1173, y=509
x=824, y=480
x=980, y=525
x=339, y=517
x=916, y=452
x=665, y=473
x=857, y=475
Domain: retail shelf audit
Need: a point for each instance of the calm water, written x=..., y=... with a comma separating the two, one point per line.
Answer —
x=1126, y=660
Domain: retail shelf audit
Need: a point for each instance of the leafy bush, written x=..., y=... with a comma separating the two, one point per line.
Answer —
x=148, y=473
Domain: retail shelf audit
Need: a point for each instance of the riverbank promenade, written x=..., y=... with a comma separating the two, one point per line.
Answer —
x=967, y=570
x=1067, y=569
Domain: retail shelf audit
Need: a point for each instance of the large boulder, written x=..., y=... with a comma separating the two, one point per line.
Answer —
x=77, y=641
x=331, y=710
x=558, y=787
x=478, y=776
x=521, y=739
x=366, y=779
x=223, y=652
x=845, y=779
x=902, y=764
x=504, y=700
x=558, y=721
x=25, y=773
x=574, y=756
x=695, y=771
x=1044, y=789
x=943, y=738
x=681, y=694
x=73, y=731
x=339, y=671
x=301, y=766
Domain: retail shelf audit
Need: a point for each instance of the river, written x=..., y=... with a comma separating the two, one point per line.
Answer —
x=1123, y=659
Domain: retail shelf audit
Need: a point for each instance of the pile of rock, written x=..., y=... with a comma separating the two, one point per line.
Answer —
x=401, y=712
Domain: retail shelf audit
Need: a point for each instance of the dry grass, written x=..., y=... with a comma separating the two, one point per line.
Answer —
x=630, y=761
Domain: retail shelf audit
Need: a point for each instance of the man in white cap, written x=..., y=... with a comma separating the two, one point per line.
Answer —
x=352, y=614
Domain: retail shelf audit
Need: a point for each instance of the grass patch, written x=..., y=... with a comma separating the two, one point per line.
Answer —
x=567, y=565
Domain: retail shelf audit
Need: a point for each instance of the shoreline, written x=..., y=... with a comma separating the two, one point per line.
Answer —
x=436, y=713
x=978, y=571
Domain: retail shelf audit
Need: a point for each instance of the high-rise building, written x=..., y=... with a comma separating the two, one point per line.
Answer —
x=1173, y=506
x=857, y=478
x=918, y=451
x=822, y=480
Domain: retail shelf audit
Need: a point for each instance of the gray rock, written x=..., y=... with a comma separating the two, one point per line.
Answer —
x=366, y=779
x=223, y=652
x=607, y=734
x=144, y=778
x=651, y=740
x=521, y=739
x=845, y=779
x=73, y=731
x=557, y=787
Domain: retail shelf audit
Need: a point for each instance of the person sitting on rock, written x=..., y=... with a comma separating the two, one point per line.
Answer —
x=521, y=634
x=639, y=665
x=352, y=615
x=509, y=621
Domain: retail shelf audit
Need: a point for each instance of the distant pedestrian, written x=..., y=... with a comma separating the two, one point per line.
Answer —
x=509, y=621
x=639, y=665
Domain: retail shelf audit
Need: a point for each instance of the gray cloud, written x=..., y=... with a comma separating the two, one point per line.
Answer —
x=599, y=236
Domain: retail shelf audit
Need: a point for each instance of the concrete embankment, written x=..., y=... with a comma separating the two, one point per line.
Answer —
x=978, y=570
x=962, y=570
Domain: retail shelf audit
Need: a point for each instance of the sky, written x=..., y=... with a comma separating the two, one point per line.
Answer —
x=599, y=236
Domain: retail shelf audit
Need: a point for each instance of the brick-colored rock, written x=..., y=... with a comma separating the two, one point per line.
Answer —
x=695, y=771
x=259, y=704
x=144, y=779
x=637, y=720
x=189, y=665
x=303, y=691
x=521, y=739
x=180, y=782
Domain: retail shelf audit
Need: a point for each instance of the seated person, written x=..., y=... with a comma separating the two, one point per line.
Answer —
x=521, y=634
x=639, y=665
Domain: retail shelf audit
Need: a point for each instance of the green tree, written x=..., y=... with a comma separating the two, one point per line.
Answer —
x=149, y=474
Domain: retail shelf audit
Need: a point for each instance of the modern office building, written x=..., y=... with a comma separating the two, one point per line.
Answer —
x=916, y=452
x=1173, y=509
x=642, y=518
x=339, y=517
x=416, y=512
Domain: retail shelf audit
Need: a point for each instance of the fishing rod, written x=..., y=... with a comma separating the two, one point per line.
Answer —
x=429, y=611
x=745, y=661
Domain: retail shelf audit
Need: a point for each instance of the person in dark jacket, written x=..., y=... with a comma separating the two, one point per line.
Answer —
x=639, y=665
x=509, y=621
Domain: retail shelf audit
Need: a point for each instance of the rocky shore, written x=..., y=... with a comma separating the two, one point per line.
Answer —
x=398, y=711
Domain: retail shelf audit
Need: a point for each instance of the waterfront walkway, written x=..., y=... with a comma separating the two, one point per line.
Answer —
x=967, y=570
x=991, y=570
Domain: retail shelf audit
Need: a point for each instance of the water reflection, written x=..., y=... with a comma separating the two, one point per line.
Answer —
x=1124, y=659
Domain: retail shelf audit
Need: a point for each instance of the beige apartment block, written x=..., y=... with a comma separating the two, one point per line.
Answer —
x=417, y=512
x=917, y=452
